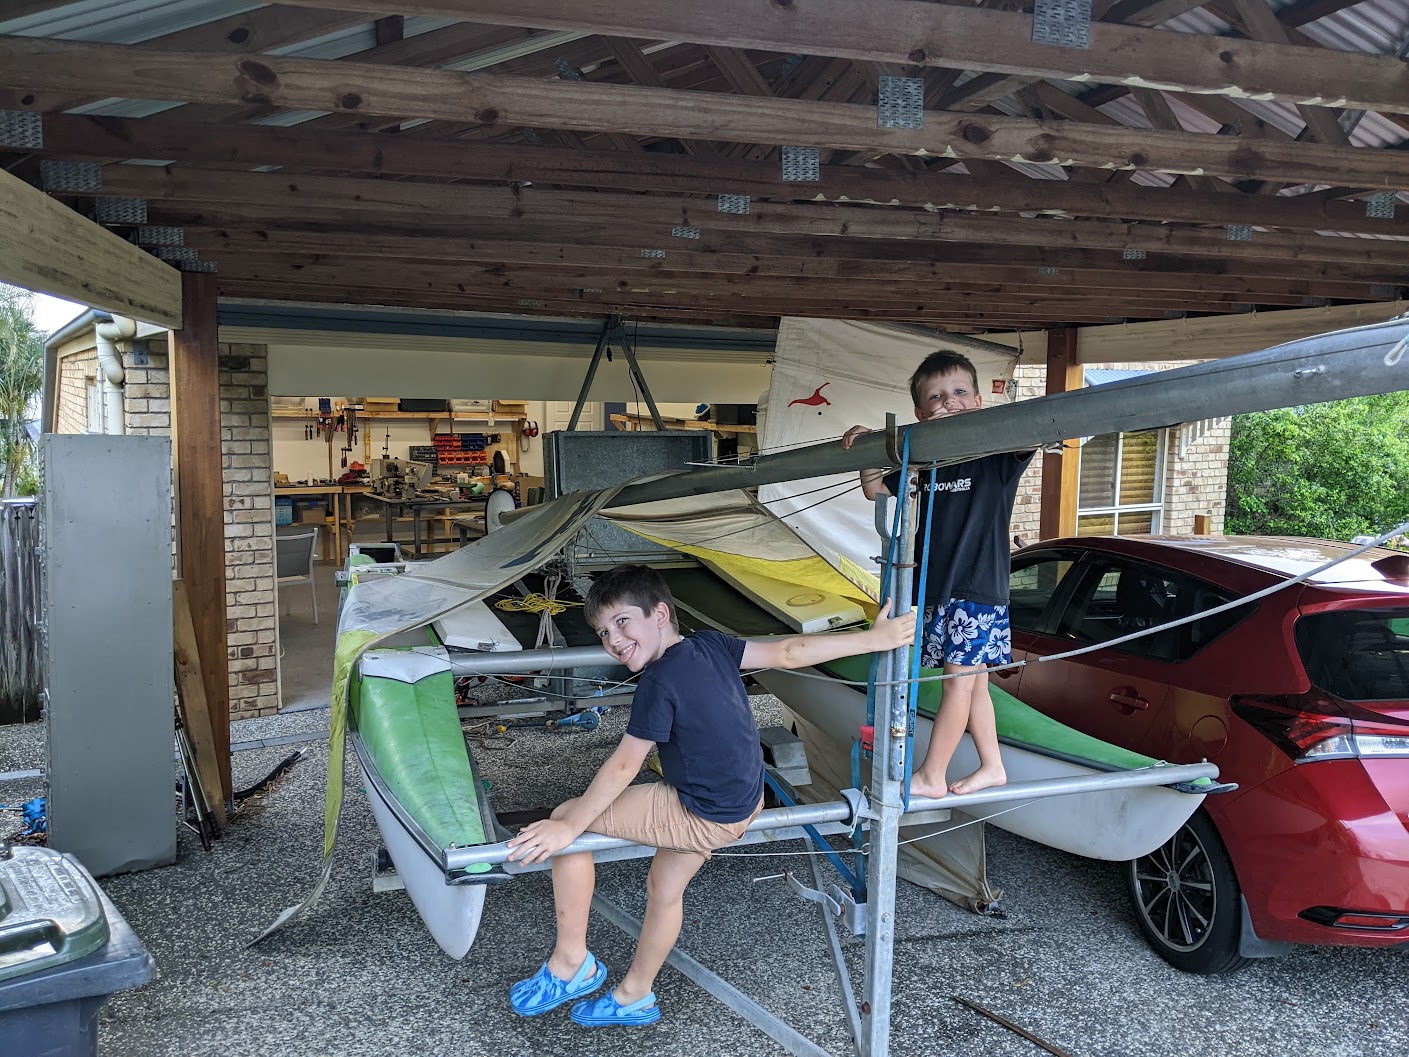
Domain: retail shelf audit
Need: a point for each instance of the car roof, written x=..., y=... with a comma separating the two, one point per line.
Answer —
x=1278, y=556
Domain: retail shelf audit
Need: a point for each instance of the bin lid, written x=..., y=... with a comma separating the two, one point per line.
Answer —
x=50, y=911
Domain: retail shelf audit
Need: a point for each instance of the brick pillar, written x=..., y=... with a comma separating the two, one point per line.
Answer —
x=251, y=595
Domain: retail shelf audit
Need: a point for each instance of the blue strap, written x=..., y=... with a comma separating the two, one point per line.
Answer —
x=857, y=885
x=917, y=651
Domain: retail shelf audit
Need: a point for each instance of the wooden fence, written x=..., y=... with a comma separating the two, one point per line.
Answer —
x=20, y=661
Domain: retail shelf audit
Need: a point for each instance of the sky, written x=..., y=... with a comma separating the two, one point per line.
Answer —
x=50, y=313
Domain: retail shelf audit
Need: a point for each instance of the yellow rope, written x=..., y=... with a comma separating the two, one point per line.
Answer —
x=534, y=603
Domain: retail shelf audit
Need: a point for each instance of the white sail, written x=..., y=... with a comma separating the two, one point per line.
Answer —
x=829, y=375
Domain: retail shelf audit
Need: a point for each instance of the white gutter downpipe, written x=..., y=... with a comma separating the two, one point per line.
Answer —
x=109, y=332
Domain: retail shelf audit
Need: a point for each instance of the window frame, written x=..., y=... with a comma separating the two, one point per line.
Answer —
x=1058, y=600
x=1155, y=508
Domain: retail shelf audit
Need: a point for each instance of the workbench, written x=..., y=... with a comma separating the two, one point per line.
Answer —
x=416, y=509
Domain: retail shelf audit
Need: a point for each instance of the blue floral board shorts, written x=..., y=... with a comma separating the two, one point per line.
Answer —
x=966, y=633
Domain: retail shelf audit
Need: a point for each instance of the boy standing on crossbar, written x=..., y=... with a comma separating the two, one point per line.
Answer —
x=967, y=511
x=691, y=703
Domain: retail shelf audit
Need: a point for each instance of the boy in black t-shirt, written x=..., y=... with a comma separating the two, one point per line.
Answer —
x=966, y=595
x=691, y=703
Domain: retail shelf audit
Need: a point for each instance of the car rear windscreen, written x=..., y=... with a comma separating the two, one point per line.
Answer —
x=1357, y=654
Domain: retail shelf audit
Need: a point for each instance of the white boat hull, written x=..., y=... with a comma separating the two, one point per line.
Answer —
x=451, y=912
x=1115, y=825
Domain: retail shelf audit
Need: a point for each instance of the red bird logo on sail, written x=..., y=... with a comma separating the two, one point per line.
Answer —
x=816, y=399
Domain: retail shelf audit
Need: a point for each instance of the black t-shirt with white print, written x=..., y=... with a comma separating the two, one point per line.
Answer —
x=973, y=505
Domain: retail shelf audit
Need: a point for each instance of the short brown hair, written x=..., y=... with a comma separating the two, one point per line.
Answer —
x=632, y=585
x=941, y=362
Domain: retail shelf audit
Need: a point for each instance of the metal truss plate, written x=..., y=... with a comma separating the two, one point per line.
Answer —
x=21, y=130
x=198, y=265
x=532, y=302
x=110, y=210
x=1134, y=255
x=161, y=235
x=1381, y=206
x=802, y=165
x=1239, y=233
x=1063, y=23
x=77, y=177
x=685, y=233
x=1384, y=291
x=901, y=103
x=653, y=255
x=178, y=254
x=735, y=203
x=1048, y=270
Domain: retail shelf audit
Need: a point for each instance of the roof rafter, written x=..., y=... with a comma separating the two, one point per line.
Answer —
x=509, y=102
x=987, y=41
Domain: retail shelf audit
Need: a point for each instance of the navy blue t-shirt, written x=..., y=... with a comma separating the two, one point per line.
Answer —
x=693, y=705
x=973, y=505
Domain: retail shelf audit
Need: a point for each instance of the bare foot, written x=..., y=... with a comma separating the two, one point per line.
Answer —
x=920, y=786
x=983, y=778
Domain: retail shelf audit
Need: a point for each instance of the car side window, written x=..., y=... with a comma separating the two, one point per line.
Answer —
x=1031, y=585
x=1115, y=598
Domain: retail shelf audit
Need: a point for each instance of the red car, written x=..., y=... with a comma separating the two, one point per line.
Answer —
x=1300, y=697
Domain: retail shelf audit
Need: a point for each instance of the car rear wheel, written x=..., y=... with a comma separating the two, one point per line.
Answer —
x=1187, y=901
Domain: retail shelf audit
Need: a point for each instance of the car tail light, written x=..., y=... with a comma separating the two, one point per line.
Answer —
x=1318, y=726
x=1356, y=919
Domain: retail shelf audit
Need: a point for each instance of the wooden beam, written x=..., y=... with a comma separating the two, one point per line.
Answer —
x=987, y=41
x=507, y=103
x=48, y=248
x=195, y=438
x=1262, y=23
x=75, y=136
x=652, y=218
x=216, y=243
x=794, y=248
x=1061, y=473
x=261, y=29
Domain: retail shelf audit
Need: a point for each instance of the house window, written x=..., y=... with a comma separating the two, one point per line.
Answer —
x=95, y=406
x=1122, y=484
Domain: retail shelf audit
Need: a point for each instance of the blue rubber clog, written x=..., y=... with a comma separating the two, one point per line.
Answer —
x=605, y=1011
x=543, y=991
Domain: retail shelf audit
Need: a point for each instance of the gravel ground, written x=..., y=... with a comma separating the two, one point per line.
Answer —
x=359, y=975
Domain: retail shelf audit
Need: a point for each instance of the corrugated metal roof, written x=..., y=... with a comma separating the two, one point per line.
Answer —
x=124, y=21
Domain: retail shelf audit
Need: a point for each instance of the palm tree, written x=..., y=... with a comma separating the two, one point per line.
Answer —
x=21, y=380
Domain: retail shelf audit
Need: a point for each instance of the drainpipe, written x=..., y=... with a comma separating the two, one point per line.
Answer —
x=109, y=332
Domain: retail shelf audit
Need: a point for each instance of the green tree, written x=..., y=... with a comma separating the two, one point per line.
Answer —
x=21, y=380
x=1332, y=470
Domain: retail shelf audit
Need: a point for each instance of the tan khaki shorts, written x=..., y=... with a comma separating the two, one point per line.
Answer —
x=652, y=814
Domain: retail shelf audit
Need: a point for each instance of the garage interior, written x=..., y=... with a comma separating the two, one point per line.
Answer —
x=448, y=200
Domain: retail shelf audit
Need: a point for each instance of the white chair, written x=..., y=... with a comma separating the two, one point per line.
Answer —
x=293, y=557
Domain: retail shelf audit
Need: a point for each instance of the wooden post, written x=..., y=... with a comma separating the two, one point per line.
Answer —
x=200, y=498
x=1061, y=473
x=1203, y=524
x=195, y=712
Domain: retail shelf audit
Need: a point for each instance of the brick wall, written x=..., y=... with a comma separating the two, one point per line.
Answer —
x=250, y=592
x=251, y=595
x=1196, y=483
x=71, y=409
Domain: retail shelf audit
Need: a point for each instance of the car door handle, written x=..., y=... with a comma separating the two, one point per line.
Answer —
x=1128, y=701
x=1006, y=673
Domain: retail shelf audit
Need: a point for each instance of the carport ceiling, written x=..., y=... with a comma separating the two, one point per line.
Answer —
x=651, y=157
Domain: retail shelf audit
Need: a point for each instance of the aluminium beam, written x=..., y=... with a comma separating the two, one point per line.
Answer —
x=1358, y=362
x=458, y=859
